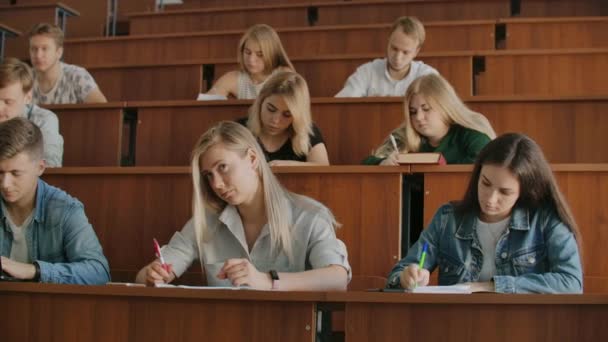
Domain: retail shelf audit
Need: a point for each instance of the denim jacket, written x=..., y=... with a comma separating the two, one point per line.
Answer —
x=536, y=254
x=60, y=239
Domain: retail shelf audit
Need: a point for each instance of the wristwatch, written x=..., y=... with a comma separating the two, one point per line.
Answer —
x=275, y=279
x=37, y=274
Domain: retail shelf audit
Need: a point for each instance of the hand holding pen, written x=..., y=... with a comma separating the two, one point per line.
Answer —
x=159, y=255
x=159, y=271
x=391, y=159
x=415, y=274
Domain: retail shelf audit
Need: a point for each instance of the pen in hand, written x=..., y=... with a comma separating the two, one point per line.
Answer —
x=425, y=248
x=160, y=256
x=394, y=142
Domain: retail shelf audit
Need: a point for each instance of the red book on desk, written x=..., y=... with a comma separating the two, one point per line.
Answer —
x=421, y=158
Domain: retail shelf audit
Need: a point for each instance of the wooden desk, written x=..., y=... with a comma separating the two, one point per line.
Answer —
x=144, y=82
x=568, y=129
x=128, y=207
x=485, y=73
x=561, y=8
x=303, y=14
x=325, y=75
x=6, y=32
x=542, y=72
x=585, y=187
x=92, y=20
x=297, y=41
x=24, y=17
x=92, y=134
x=44, y=312
x=476, y=317
x=555, y=33
x=41, y=312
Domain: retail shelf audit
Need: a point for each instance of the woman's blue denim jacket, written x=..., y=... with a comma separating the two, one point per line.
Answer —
x=61, y=239
x=536, y=254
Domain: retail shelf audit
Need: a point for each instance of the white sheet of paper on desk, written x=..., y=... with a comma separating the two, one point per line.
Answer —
x=204, y=287
x=455, y=289
x=210, y=97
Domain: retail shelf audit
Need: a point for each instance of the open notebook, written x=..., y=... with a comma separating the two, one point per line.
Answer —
x=454, y=289
x=210, y=97
x=204, y=287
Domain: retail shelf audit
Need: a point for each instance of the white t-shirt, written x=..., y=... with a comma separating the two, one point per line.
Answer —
x=19, y=249
x=73, y=86
x=489, y=234
x=373, y=79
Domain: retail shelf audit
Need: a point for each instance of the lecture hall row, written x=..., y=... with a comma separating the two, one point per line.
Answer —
x=125, y=224
x=489, y=30
x=162, y=133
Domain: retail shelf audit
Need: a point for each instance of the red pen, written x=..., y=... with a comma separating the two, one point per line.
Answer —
x=159, y=255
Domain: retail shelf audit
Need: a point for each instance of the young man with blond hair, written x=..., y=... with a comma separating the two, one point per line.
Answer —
x=392, y=75
x=16, y=82
x=45, y=235
x=57, y=82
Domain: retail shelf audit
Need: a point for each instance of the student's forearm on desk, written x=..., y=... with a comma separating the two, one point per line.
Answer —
x=331, y=278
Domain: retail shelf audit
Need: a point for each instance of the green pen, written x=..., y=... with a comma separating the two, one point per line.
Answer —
x=425, y=248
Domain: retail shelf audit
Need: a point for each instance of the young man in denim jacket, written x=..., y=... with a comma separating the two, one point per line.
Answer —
x=45, y=235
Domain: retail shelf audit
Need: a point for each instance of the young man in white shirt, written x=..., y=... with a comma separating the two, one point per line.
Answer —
x=392, y=75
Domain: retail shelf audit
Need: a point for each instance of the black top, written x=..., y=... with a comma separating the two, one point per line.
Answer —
x=286, y=151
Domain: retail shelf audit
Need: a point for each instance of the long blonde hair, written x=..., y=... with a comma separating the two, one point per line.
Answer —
x=441, y=95
x=274, y=54
x=237, y=138
x=293, y=89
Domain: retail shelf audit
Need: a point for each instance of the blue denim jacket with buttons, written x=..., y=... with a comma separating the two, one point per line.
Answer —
x=60, y=239
x=536, y=254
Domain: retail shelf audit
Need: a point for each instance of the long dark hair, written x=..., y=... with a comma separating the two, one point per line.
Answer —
x=524, y=158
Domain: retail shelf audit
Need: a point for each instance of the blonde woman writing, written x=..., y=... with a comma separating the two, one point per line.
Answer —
x=246, y=228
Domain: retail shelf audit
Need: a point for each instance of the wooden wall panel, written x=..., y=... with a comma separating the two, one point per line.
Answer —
x=368, y=12
x=76, y=313
x=141, y=83
x=568, y=131
x=92, y=20
x=559, y=33
x=298, y=42
x=337, y=13
x=472, y=322
x=192, y=21
x=562, y=8
x=92, y=137
x=156, y=203
x=545, y=73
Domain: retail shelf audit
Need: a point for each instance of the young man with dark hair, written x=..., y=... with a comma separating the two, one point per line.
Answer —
x=45, y=235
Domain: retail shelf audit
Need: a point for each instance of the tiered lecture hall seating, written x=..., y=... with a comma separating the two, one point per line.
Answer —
x=24, y=17
x=533, y=66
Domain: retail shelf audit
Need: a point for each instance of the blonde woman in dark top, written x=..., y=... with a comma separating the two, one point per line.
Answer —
x=281, y=121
